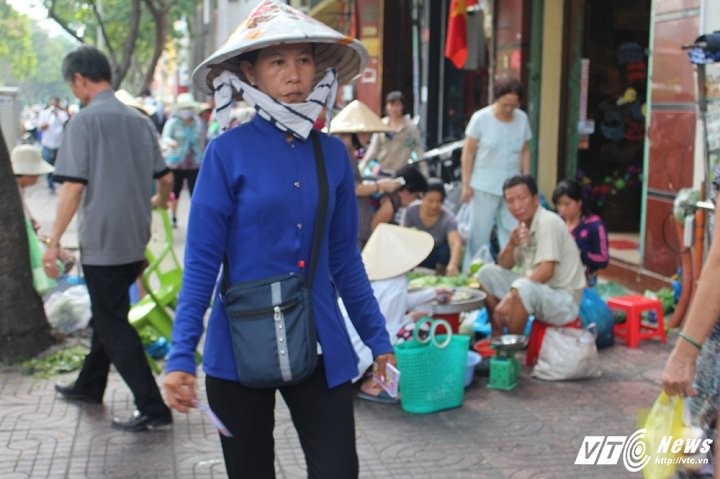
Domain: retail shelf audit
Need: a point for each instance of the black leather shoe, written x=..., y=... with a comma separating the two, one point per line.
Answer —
x=68, y=392
x=142, y=422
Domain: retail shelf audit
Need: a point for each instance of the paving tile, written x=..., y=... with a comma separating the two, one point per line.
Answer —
x=532, y=432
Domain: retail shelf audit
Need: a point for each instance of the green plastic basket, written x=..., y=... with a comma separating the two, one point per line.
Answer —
x=432, y=370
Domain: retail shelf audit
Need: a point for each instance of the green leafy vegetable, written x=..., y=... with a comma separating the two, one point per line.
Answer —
x=62, y=361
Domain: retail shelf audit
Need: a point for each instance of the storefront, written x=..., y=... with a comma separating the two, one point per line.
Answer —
x=604, y=106
x=627, y=115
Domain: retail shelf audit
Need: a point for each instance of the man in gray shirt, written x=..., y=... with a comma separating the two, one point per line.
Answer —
x=107, y=161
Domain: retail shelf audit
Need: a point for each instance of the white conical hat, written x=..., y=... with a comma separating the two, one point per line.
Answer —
x=357, y=117
x=26, y=160
x=272, y=23
x=393, y=250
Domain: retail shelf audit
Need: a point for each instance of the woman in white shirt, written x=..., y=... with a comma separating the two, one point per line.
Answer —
x=496, y=148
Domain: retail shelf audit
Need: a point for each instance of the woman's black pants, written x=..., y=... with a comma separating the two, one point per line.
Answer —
x=323, y=418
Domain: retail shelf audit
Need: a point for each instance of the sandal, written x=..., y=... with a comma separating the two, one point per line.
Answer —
x=383, y=397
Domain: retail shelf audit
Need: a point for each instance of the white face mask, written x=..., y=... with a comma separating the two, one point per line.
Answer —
x=185, y=114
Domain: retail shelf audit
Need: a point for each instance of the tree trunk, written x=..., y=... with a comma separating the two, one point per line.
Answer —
x=160, y=15
x=24, y=330
x=121, y=68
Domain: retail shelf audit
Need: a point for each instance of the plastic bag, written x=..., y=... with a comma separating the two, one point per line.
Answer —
x=462, y=217
x=567, y=353
x=69, y=311
x=594, y=310
x=665, y=419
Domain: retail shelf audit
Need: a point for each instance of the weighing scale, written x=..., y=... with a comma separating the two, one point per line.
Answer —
x=504, y=368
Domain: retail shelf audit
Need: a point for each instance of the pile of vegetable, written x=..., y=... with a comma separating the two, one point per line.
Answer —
x=61, y=361
x=422, y=280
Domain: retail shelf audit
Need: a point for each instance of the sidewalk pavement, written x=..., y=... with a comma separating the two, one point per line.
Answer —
x=534, y=431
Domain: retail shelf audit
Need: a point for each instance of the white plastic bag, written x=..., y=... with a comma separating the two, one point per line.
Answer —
x=567, y=353
x=69, y=310
x=462, y=217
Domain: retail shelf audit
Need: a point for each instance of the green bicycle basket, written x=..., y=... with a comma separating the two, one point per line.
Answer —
x=432, y=370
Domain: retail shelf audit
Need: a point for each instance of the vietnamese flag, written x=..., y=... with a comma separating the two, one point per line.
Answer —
x=456, y=41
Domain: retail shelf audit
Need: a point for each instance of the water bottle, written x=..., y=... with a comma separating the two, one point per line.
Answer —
x=524, y=234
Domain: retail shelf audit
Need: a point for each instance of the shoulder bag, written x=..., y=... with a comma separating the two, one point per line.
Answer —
x=271, y=320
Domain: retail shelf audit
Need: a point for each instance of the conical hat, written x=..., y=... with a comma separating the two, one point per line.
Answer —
x=125, y=97
x=393, y=250
x=357, y=117
x=187, y=100
x=272, y=23
x=27, y=160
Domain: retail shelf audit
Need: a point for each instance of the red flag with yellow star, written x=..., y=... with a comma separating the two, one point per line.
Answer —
x=456, y=40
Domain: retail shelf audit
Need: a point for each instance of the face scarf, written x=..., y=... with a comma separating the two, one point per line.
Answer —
x=294, y=118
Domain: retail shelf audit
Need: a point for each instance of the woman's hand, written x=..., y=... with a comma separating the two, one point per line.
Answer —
x=467, y=194
x=180, y=390
x=679, y=373
x=452, y=270
x=382, y=360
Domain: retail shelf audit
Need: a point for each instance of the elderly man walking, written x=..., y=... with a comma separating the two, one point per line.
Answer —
x=107, y=161
x=538, y=272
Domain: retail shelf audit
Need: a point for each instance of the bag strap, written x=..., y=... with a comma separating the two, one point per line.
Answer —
x=322, y=206
x=319, y=215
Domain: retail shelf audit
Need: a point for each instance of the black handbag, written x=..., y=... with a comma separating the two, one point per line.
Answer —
x=272, y=324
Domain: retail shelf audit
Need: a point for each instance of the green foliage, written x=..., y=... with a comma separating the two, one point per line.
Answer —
x=62, y=361
x=16, y=51
x=47, y=81
x=666, y=297
x=79, y=18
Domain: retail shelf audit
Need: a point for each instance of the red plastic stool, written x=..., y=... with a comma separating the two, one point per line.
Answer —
x=634, y=329
x=537, y=333
x=452, y=318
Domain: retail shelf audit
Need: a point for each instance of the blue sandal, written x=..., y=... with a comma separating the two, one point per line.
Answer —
x=383, y=397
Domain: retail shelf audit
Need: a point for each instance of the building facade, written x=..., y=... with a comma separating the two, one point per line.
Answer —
x=611, y=95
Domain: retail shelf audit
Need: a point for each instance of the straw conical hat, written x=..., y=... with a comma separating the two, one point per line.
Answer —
x=272, y=23
x=26, y=160
x=393, y=250
x=357, y=117
x=125, y=97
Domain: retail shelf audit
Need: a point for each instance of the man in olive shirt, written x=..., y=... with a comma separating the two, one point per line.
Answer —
x=548, y=278
x=108, y=159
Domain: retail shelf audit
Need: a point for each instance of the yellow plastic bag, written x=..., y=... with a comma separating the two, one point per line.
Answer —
x=664, y=425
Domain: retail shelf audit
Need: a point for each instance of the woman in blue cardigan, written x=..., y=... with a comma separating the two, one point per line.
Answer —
x=255, y=202
x=588, y=230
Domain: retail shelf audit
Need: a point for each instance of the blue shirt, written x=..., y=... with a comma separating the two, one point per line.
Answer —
x=255, y=200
